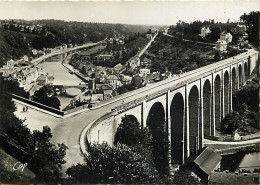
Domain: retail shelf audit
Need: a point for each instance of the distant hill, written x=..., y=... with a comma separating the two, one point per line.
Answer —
x=19, y=37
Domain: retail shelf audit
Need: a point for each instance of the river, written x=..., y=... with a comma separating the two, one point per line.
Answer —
x=54, y=67
x=241, y=161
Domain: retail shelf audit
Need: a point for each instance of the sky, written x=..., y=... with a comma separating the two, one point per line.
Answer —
x=129, y=12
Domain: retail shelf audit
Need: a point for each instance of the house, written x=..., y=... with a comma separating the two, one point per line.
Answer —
x=118, y=67
x=146, y=62
x=226, y=36
x=203, y=163
x=96, y=98
x=50, y=79
x=144, y=71
x=204, y=31
x=48, y=51
x=64, y=46
x=34, y=51
x=149, y=36
x=221, y=45
x=42, y=80
x=106, y=87
x=126, y=79
x=241, y=28
x=40, y=53
x=134, y=62
x=114, y=81
x=107, y=94
x=153, y=77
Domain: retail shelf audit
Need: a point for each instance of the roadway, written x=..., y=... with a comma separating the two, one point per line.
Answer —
x=38, y=60
x=206, y=43
x=247, y=142
x=140, y=53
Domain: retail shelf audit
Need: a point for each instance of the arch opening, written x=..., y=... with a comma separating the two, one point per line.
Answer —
x=246, y=70
x=226, y=93
x=126, y=130
x=217, y=91
x=177, y=114
x=156, y=124
x=234, y=80
x=240, y=75
x=207, y=108
x=194, y=120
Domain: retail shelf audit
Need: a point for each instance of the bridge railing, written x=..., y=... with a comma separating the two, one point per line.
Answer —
x=207, y=70
x=38, y=105
x=85, y=139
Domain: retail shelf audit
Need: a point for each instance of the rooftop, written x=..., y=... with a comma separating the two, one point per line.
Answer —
x=206, y=159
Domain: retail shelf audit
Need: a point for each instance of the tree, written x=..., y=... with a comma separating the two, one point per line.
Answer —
x=130, y=133
x=252, y=22
x=249, y=95
x=217, y=56
x=43, y=96
x=116, y=164
x=215, y=33
x=231, y=123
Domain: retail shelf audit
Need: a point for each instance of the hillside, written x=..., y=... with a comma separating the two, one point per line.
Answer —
x=7, y=174
x=19, y=37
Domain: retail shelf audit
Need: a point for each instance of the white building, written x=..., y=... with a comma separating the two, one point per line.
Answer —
x=134, y=62
x=226, y=36
x=144, y=71
x=241, y=28
x=221, y=45
x=205, y=31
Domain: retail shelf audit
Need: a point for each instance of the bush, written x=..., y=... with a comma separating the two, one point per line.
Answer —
x=117, y=164
x=231, y=123
x=41, y=96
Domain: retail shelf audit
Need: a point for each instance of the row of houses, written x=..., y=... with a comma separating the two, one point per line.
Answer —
x=25, y=76
x=23, y=27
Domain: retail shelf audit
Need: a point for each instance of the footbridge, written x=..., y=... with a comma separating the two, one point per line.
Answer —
x=188, y=107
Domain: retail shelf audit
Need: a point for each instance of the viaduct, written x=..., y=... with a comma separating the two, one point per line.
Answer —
x=189, y=107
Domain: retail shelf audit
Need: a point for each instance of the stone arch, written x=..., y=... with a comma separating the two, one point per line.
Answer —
x=234, y=79
x=132, y=118
x=246, y=70
x=156, y=124
x=193, y=100
x=240, y=75
x=226, y=93
x=177, y=114
x=156, y=116
x=207, y=107
x=217, y=99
